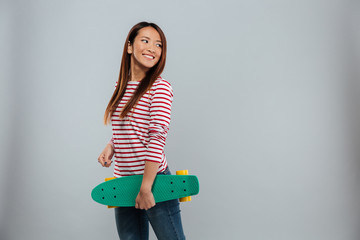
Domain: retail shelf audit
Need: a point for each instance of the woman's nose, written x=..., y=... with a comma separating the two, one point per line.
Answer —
x=151, y=49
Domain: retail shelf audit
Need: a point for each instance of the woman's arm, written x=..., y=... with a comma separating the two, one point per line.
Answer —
x=160, y=113
x=145, y=198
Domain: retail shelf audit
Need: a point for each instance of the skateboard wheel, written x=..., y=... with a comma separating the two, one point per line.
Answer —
x=185, y=199
x=108, y=179
x=184, y=172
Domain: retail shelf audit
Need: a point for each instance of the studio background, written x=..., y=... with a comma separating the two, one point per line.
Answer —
x=265, y=113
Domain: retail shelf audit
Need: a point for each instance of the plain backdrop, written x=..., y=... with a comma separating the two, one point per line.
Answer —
x=266, y=114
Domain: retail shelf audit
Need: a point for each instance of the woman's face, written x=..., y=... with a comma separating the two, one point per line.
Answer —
x=146, y=49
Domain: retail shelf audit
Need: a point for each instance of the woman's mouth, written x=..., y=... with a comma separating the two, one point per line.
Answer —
x=149, y=56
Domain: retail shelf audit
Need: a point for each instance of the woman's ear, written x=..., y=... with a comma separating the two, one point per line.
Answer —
x=129, y=48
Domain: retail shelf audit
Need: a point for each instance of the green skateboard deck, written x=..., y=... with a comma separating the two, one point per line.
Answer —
x=122, y=192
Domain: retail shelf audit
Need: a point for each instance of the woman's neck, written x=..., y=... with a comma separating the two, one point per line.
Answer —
x=137, y=73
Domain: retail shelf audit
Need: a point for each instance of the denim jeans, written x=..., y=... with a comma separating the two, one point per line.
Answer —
x=164, y=217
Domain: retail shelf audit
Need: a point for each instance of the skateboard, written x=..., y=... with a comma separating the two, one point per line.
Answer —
x=122, y=192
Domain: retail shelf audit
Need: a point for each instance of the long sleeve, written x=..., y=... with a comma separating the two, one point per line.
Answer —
x=160, y=114
x=140, y=137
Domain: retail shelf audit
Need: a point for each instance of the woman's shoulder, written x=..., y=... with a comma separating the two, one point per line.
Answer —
x=161, y=83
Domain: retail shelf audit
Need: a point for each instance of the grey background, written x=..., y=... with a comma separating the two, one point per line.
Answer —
x=266, y=114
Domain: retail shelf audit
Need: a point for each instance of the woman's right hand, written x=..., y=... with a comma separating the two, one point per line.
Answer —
x=105, y=157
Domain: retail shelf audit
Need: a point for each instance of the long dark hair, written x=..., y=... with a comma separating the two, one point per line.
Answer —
x=145, y=83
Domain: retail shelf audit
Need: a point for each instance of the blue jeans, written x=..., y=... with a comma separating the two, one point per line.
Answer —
x=164, y=217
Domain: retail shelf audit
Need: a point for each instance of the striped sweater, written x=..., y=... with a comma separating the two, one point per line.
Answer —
x=141, y=135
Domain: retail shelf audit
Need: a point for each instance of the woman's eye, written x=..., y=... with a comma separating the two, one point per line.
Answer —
x=159, y=45
x=145, y=41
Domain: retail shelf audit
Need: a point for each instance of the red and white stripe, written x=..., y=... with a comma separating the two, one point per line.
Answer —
x=141, y=135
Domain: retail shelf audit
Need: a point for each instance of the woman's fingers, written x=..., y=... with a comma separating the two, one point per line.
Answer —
x=101, y=159
x=105, y=157
x=107, y=163
x=144, y=201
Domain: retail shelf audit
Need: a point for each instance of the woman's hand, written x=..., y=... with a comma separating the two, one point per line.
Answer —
x=144, y=200
x=105, y=157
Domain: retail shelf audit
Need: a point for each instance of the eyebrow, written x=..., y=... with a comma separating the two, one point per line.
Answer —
x=149, y=38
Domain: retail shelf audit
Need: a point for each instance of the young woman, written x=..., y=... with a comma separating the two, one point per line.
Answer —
x=140, y=111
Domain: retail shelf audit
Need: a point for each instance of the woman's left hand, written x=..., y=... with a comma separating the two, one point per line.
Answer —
x=144, y=200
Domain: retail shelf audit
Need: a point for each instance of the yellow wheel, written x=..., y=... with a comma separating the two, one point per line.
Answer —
x=109, y=178
x=184, y=172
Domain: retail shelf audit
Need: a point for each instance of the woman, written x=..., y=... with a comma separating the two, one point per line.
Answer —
x=140, y=112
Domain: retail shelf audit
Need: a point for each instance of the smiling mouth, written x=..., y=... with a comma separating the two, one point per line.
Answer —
x=148, y=56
